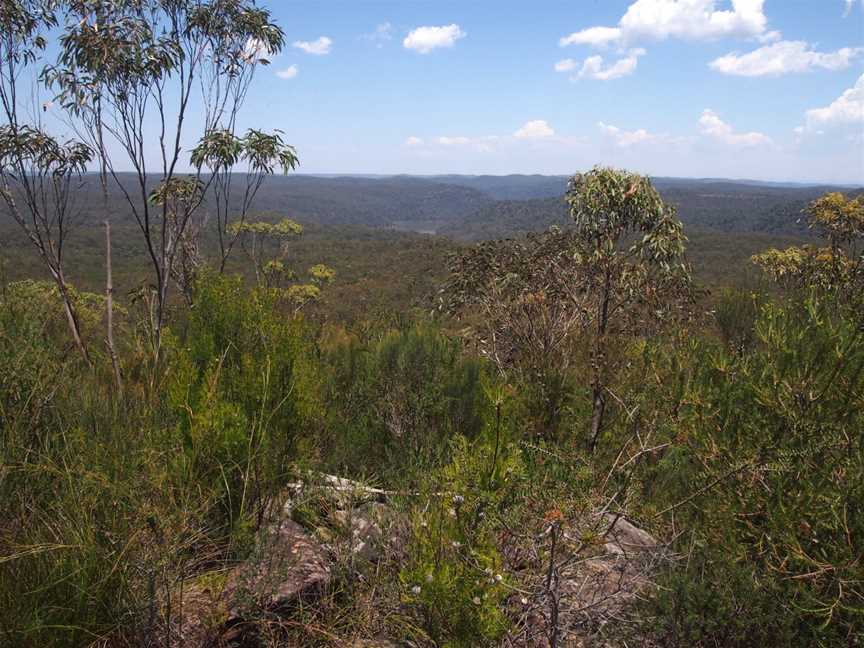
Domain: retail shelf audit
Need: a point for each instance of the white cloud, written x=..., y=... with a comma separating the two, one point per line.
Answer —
x=535, y=129
x=850, y=4
x=288, y=73
x=848, y=108
x=715, y=127
x=594, y=67
x=413, y=141
x=381, y=34
x=784, y=57
x=319, y=46
x=592, y=36
x=255, y=49
x=566, y=65
x=426, y=39
x=684, y=19
x=624, y=138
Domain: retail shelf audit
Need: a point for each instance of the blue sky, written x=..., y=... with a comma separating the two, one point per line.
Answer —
x=687, y=87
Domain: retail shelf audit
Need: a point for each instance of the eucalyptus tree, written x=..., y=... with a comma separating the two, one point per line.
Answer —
x=618, y=271
x=130, y=75
x=630, y=246
x=836, y=268
x=220, y=151
x=38, y=173
x=256, y=237
x=523, y=308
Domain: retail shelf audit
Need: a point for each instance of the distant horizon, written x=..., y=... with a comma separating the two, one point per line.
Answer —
x=349, y=174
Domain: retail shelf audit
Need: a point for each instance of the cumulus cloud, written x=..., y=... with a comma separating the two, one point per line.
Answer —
x=319, y=46
x=413, y=141
x=592, y=36
x=625, y=138
x=848, y=108
x=426, y=39
x=535, y=129
x=565, y=65
x=684, y=19
x=288, y=73
x=712, y=126
x=785, y=57
x=594, y=67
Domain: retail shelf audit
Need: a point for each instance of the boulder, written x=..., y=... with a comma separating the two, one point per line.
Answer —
x=365, y=526
x=623, y=536
x=288, y=567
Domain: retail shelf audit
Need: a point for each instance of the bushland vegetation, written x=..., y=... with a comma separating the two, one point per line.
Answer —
x=149, y=440
x=731, y=434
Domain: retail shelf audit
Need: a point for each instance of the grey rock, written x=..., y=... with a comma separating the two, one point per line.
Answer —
x=288, y=567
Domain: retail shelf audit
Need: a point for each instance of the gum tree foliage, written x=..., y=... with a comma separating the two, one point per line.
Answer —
x=220, y=151
x=619, y=271
x=177, y=197
x=630, y=246
x=129, y=75
x=38, y=173
x=256, y=238
x=836, y=268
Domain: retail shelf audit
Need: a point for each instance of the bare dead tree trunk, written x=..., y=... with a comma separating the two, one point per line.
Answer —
x=109, y=305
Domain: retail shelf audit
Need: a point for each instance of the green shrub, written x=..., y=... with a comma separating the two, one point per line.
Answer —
x=396, y=401
x=767, y=473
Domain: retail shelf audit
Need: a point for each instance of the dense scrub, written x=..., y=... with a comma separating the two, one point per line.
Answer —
x=732, y=435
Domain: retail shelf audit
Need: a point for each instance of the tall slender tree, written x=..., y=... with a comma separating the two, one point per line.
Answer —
x=630, y=246
x=130, y=74
x=37, y=172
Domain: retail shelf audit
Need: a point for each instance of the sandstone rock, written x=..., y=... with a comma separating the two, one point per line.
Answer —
x=591, y=590
x=624, y=537
x=288, y=567
x=365, y=525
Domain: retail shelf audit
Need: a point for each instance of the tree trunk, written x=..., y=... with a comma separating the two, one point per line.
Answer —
x=109, y=301
x=71, y=316
x=598, y=409
x=598, y=405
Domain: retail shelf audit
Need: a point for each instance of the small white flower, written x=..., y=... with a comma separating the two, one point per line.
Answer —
x=498, y=578
x=458, y=499
x=476, y=600
x=415, y=590
x=451, y=512
x=524, y=601
x=456, y=544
